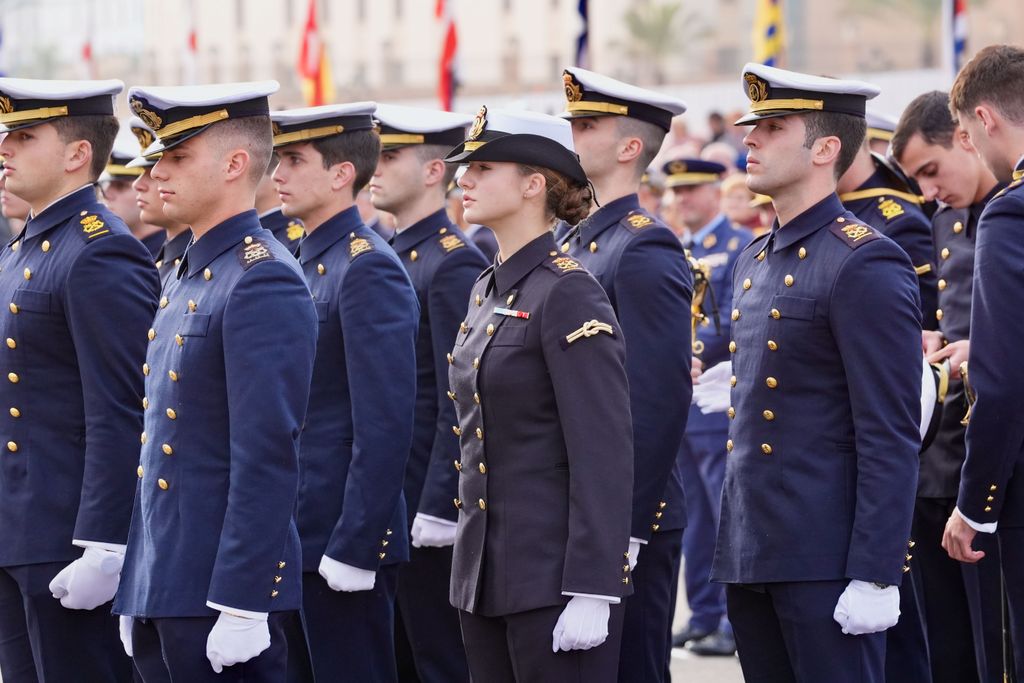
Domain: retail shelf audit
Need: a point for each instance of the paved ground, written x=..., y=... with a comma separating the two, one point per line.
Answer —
x=689, y=668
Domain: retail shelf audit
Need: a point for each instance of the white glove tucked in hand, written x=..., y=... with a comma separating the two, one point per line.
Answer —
x=582, y=625
x=345, y=577
x=865, y=608
x=711, y=390
x=124, y=626
x=234, y=639
x=634, y=552
x=89, y=581
x=432, y=532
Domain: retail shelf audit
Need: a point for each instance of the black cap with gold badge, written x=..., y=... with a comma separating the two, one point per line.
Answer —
x=593, y=94
x=776, y=92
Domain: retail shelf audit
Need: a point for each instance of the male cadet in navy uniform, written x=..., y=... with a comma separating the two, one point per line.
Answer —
x=617, y=129
x=987, y=99
x=410, y=184
x=877, y=195
x=826, y=363
x=116, y=189
x=212, y=569
x=358, y=434
x=962, y=604
x=80, y=293
x=288, y=231
x=880, y=132
x=151, y=207
x=696, y=190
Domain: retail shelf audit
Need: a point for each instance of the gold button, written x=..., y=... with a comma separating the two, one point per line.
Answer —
x=565, y=248
x=145, y=369
x=768, y=415
x=15, y=412
x=274, y=593
x=766, y=448
x=208, y=274
x=45, y=246
x=789, y=280
x=772, y=346
x=987, y=508
x=490, y=329
x=655, y=527
x=166, y=448
x=171, y=414
x=277, y=579
x=11, y=344
x=451, y=395
x=553, y=253
x=732, y=381
x=458, y=503
x=988, y=500
x=139, y=471
x=942, y=285
x=479, y=300
x=483, y=469
x=938, y=314
x=728, y=445
x=906, y=569
x=173, y=375
x=463, y=327
x=162, y=483
x=143, y=438
x=413, y=255
x=731, y=412
x=732, y=347
x=28, y=274
x=145, y=402
x=12, y=447
x=747, y=284
x=625, y=580
x=993, y=487
x=479, y=433
x=593, y=247
x=381, y=555
x=458, y=466
x=510, y=299
x=456, y=430
x=802, y=253
x=958, y=227
x=482, y=503
x=944, y=253
x=179, y=340
x=14, y=308
x=442, y=231
x=13, y=377
x=476, y=363
x=191, y=306
x=451, y=359
x=151, y=334
x=248, y=239
x=771, y=382
x=909, y=557
x=282, y=565
x=911, y=543
x=776, y=314
x=735, y=314
x=163, y=302
x=760, y=257
x=840, y=220
x=476, y=398
x=14, y=247
x=662, y=505
x=320, y=268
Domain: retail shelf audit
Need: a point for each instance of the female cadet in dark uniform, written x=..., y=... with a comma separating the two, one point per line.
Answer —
x=537, y=376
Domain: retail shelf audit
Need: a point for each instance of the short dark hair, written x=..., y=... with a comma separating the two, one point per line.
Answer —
x=995, y=75
x=361, y=148
x=928, y=116
x=850, y=130
x=96, y=129
x=651, y=135
x=427, y=153
x=255, y=135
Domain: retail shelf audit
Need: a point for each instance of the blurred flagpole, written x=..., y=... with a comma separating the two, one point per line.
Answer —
x=190, y=62
x=314, y=66
x=954, y=35
x=583, y=40
x=447, y=82
x=769, y=38
x=87, y=64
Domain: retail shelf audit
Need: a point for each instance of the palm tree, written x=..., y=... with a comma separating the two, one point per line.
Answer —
x=656, y=31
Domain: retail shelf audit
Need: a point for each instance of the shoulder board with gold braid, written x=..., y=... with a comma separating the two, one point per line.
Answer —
x=563, y=265
x=92, y=226
x=1012, y=186
x=635, y=221
x=854, y=235
x=253, y=250
x=450, y=243
x=358, y=245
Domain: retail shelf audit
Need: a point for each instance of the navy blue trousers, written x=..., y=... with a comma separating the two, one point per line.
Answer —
x=516, y=648
x=344, y=637
x=174, y=648
x=647, y=629
x=42, y=641
x=785, y=633
x=1011, y=547
x=702, y=461
x=428, y=638
x=906, y=648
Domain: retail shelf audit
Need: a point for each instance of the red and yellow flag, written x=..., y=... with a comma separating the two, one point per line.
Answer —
x=314, y=66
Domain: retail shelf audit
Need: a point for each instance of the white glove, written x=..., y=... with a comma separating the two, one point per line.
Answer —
x=634, y=552
x=345, y=577
x=89, y=581
x=124, y=625
x=711, y=390
x=865, y=608
x=234, y=639
x=432, y=532
x=582, y=625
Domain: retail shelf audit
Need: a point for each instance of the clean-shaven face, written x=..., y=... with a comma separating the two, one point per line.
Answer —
x=776, y=157
x=398, y=180
x=34, y=161
x=491, y=191
x=303, y=183
x=949, y=175
x=596, y=139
